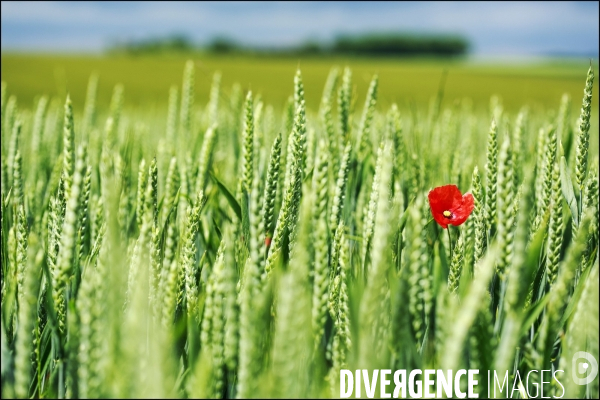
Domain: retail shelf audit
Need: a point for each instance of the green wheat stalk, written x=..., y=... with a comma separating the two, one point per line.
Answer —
x=583, y=138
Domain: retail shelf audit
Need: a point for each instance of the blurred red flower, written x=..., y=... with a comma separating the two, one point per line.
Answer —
x=449, y=206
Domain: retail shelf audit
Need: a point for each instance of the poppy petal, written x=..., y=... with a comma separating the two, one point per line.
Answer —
x=447, y=198
x=443, y=198
x=440, y=219
x=465, y=209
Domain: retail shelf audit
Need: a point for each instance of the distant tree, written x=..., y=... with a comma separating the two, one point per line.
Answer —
x=173, y=43
x=401, y=45
x=223, y=45
x=310, y=47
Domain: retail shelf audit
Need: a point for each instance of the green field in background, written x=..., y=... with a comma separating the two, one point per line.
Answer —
x=147, y=79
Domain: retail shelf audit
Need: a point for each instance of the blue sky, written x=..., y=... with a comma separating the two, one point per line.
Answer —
x=493, y=29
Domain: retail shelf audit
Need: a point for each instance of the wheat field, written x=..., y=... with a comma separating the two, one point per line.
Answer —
x=250, y=251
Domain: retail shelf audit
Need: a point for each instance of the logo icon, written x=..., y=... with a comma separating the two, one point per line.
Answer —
x=584, y=364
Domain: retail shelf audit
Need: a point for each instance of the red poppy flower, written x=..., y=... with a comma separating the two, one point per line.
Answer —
x=449, y=206
x=268, y=241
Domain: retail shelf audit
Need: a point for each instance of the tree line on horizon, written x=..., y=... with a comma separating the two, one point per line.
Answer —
x=375, y=44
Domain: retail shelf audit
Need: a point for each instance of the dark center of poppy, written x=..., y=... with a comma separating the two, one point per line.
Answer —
x=447, y=214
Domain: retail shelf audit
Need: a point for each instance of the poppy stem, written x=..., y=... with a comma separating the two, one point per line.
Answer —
x=450, y=243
